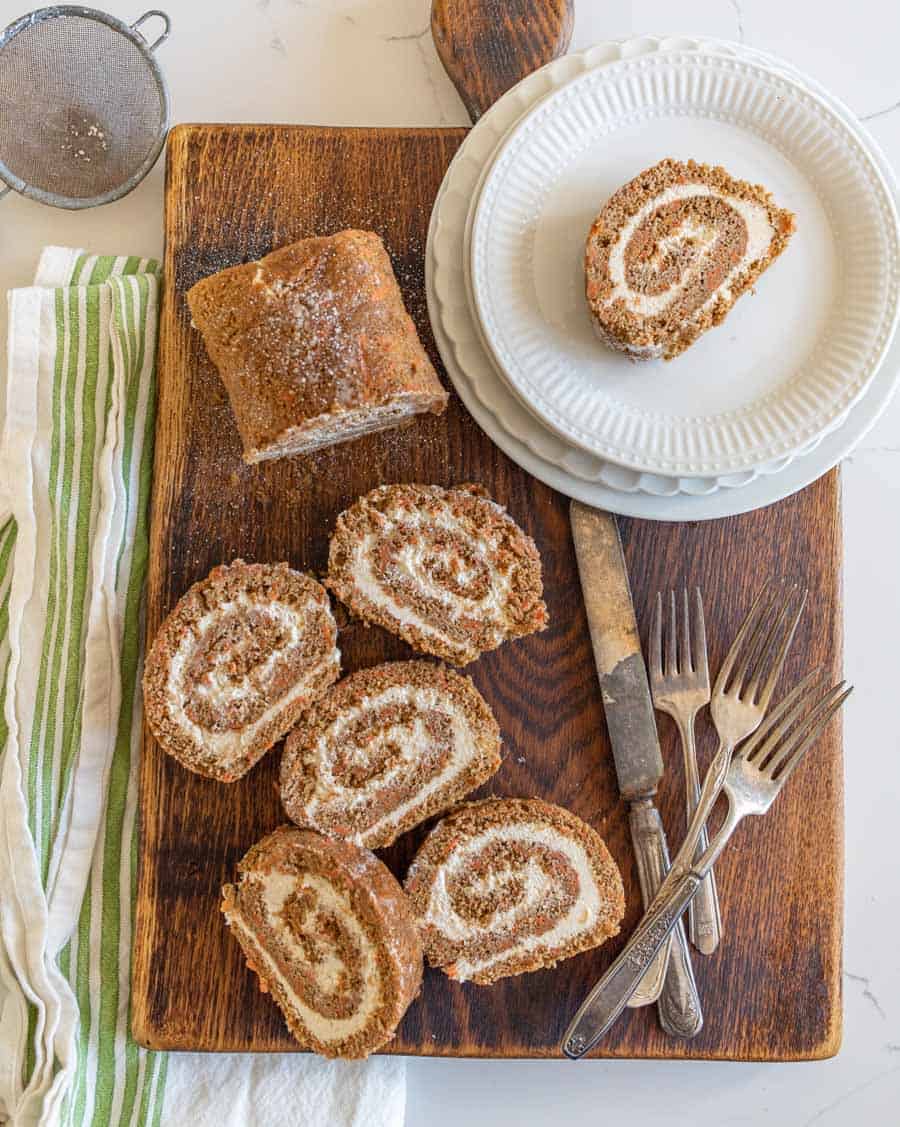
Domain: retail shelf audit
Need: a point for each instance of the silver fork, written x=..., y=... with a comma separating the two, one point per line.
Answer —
x=679, y=682
x=737, y=707
x=754, y=778
x=737, y=711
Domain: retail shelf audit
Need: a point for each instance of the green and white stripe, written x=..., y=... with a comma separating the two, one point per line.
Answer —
x=77, y=452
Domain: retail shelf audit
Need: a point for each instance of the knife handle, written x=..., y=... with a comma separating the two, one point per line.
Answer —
x=646, y=828
x=680, y=1013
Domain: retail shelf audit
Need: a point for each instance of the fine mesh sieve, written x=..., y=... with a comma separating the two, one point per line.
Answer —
x=84, y=107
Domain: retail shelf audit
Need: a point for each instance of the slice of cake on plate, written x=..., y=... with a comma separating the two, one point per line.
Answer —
x=672, y=251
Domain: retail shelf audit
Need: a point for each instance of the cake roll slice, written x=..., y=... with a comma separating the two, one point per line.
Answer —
x=510, y=885
x=231, y=669
x=314, y=345
x=446, y=569
x=672, y=251
x=386, y=748
x=331, y=936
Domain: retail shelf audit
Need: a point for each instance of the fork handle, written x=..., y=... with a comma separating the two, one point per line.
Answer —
x=670, y=971
x=610, y=996
x=704, y=915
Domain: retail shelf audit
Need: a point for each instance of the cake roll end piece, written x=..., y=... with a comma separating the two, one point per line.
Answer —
x=314, y=345
x=330, y=935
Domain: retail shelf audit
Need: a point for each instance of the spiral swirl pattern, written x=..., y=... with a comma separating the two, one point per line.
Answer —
x=243, y=653
x=511, y=885
x=330, y=934
x=387, y=748
x=446, y=569
x=672, y=251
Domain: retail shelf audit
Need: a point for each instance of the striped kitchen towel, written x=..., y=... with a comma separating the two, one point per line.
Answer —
x=75, y=469
x=76, y=462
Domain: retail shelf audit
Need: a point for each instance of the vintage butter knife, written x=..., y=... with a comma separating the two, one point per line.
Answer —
x=635, y=744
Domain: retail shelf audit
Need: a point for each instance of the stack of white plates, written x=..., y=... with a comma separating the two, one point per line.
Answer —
x=760, y=406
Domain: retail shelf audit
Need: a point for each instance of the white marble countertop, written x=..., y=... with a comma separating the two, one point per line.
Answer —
x=372, y=62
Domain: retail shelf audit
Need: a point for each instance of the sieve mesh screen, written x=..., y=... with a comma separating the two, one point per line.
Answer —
x=80, y=106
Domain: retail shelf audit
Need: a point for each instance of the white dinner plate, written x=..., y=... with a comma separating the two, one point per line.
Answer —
x=789, y=361
x=575, y=460
x=500, y=413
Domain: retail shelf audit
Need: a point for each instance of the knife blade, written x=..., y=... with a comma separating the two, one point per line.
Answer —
x=617, y=652
x=630, y=719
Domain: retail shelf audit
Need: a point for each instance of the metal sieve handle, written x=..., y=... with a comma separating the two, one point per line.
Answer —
x=149, y=16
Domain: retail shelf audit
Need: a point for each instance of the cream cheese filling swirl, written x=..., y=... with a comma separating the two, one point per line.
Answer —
x=385, y=749
x=326, y=927
x=325, y=963
x=446, y=569
x=232, y=673
x=511, y=890
x=235, y=663
x=683, y=249
x=432, y=562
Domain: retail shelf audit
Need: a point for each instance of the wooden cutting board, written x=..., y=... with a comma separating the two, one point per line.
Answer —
x=772, y=992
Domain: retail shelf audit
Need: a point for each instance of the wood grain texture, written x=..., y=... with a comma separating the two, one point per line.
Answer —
x=773, y=990
x=487, y=46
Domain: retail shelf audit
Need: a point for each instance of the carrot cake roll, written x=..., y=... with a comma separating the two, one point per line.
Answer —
x=446, y=569
x=331, y=936
x=231, y=669
x=386, y=748
x=673, y=250
x=509, y=885
x=314, y=345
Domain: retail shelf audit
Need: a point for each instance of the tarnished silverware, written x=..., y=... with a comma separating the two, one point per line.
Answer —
x=762, y=643
x=764, y=638
x=635, y=745
x=679, y=682
x=753, y=780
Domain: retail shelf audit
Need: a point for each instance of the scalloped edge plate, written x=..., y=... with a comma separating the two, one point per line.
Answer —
x=500, y=414
x=791, y=387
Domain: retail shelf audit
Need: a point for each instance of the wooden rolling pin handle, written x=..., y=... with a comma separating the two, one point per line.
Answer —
x=487, y=46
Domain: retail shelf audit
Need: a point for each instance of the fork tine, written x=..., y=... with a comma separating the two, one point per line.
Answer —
x=765, y=740
x=812, y=725
x=656, y=640
x=780, y=611
x=685, y=657
x=757, y=639
x=788, y=769
x=781, y=656
x=698, y=626
x=671, y=639
x=760, y=604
